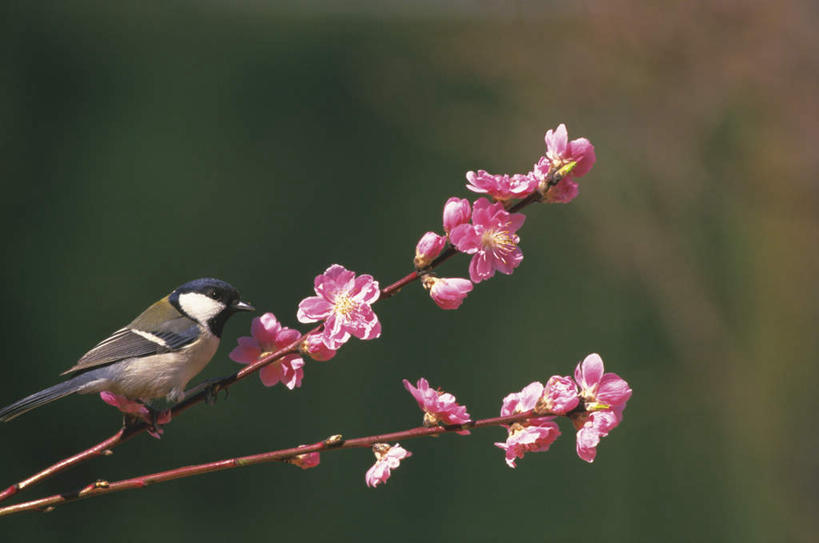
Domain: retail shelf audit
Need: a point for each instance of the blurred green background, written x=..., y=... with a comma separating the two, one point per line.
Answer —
x=143, y=146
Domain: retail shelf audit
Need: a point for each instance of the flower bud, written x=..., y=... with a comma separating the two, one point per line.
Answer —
x=447, y=293
x=428, y=248
x=457, y=211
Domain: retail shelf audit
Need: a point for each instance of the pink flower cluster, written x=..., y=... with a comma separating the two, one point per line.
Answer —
x=564, y=159
x=439, y=407
x=487, y=230
x=604, y=396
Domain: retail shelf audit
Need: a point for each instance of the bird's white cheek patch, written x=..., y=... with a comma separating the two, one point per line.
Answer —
x=199, y=306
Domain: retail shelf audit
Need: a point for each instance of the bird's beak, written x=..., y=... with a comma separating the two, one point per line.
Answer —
x=242, y=306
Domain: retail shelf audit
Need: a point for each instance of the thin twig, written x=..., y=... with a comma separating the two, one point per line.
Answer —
x=101, y=487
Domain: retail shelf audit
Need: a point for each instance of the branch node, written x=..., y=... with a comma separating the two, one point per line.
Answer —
x=334, y=440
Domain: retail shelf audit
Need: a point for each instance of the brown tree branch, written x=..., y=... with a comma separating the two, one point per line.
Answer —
x=101, y=487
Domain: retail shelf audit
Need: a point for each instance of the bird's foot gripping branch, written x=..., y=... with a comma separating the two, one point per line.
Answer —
x=488, y=230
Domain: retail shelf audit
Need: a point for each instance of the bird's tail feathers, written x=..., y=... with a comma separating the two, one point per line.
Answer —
x=43, y=397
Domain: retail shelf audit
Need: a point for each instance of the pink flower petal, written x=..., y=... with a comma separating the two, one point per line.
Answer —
x=365, y=289
x=589, y=373
x=480, y=267
x=265, y=328
x=314, y=308
x=557, y=140
x=582, y=151
x=286, y=336
x=247, y=351
x=457, y=211
x=465, y=239
x=613, y=390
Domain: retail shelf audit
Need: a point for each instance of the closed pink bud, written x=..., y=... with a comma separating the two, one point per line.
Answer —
x=314, y=347
x=559, y=396
x=449, y=292
x=457, y=211
x=428, y=248
x=306, y=460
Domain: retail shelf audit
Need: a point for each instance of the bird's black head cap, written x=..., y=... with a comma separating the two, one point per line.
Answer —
x=218, y=300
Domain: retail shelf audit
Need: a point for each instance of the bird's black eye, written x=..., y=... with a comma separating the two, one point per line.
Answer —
x=211, y=293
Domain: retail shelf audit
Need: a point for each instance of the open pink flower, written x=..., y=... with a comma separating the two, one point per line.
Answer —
x=523, y=401
x=595, y=425
x=387, y=458
x=428, y=248
x=501, y=187
x=314, y=347
x=439, y=407
x=605, y=396
x=598, y=389
x=447, y=292
x=456, y=212
x=533, y=438
x=138, y=409
x=268, y=336
x=559, y=395
x=560, y=153
x=343, y=303
x=534, y=435
x=491, y=239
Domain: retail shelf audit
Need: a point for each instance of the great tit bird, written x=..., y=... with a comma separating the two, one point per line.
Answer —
x=156, y=354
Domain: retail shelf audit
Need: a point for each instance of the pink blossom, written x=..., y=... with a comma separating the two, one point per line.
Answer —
x=447, y=292
x=533, y=438
x=428, y=248
x=314, y=347
x=600, y=390
x=456, y=212
x=343, y=303
x=501, y=187
x=386, y=459
x=561, y=153
x=268, y=336
x=523, y=401
x=306, y=460
x=563, y=192
x=138, y=409
x=605, y=396
x=491, y=239
x=439, y=407
x=559, y=396
x=594, y=426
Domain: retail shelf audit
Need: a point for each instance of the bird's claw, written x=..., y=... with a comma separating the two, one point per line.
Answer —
x=212, y=392
x=210, y=389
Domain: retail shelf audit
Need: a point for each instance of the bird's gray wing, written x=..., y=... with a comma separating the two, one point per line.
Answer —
x=134, y=343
